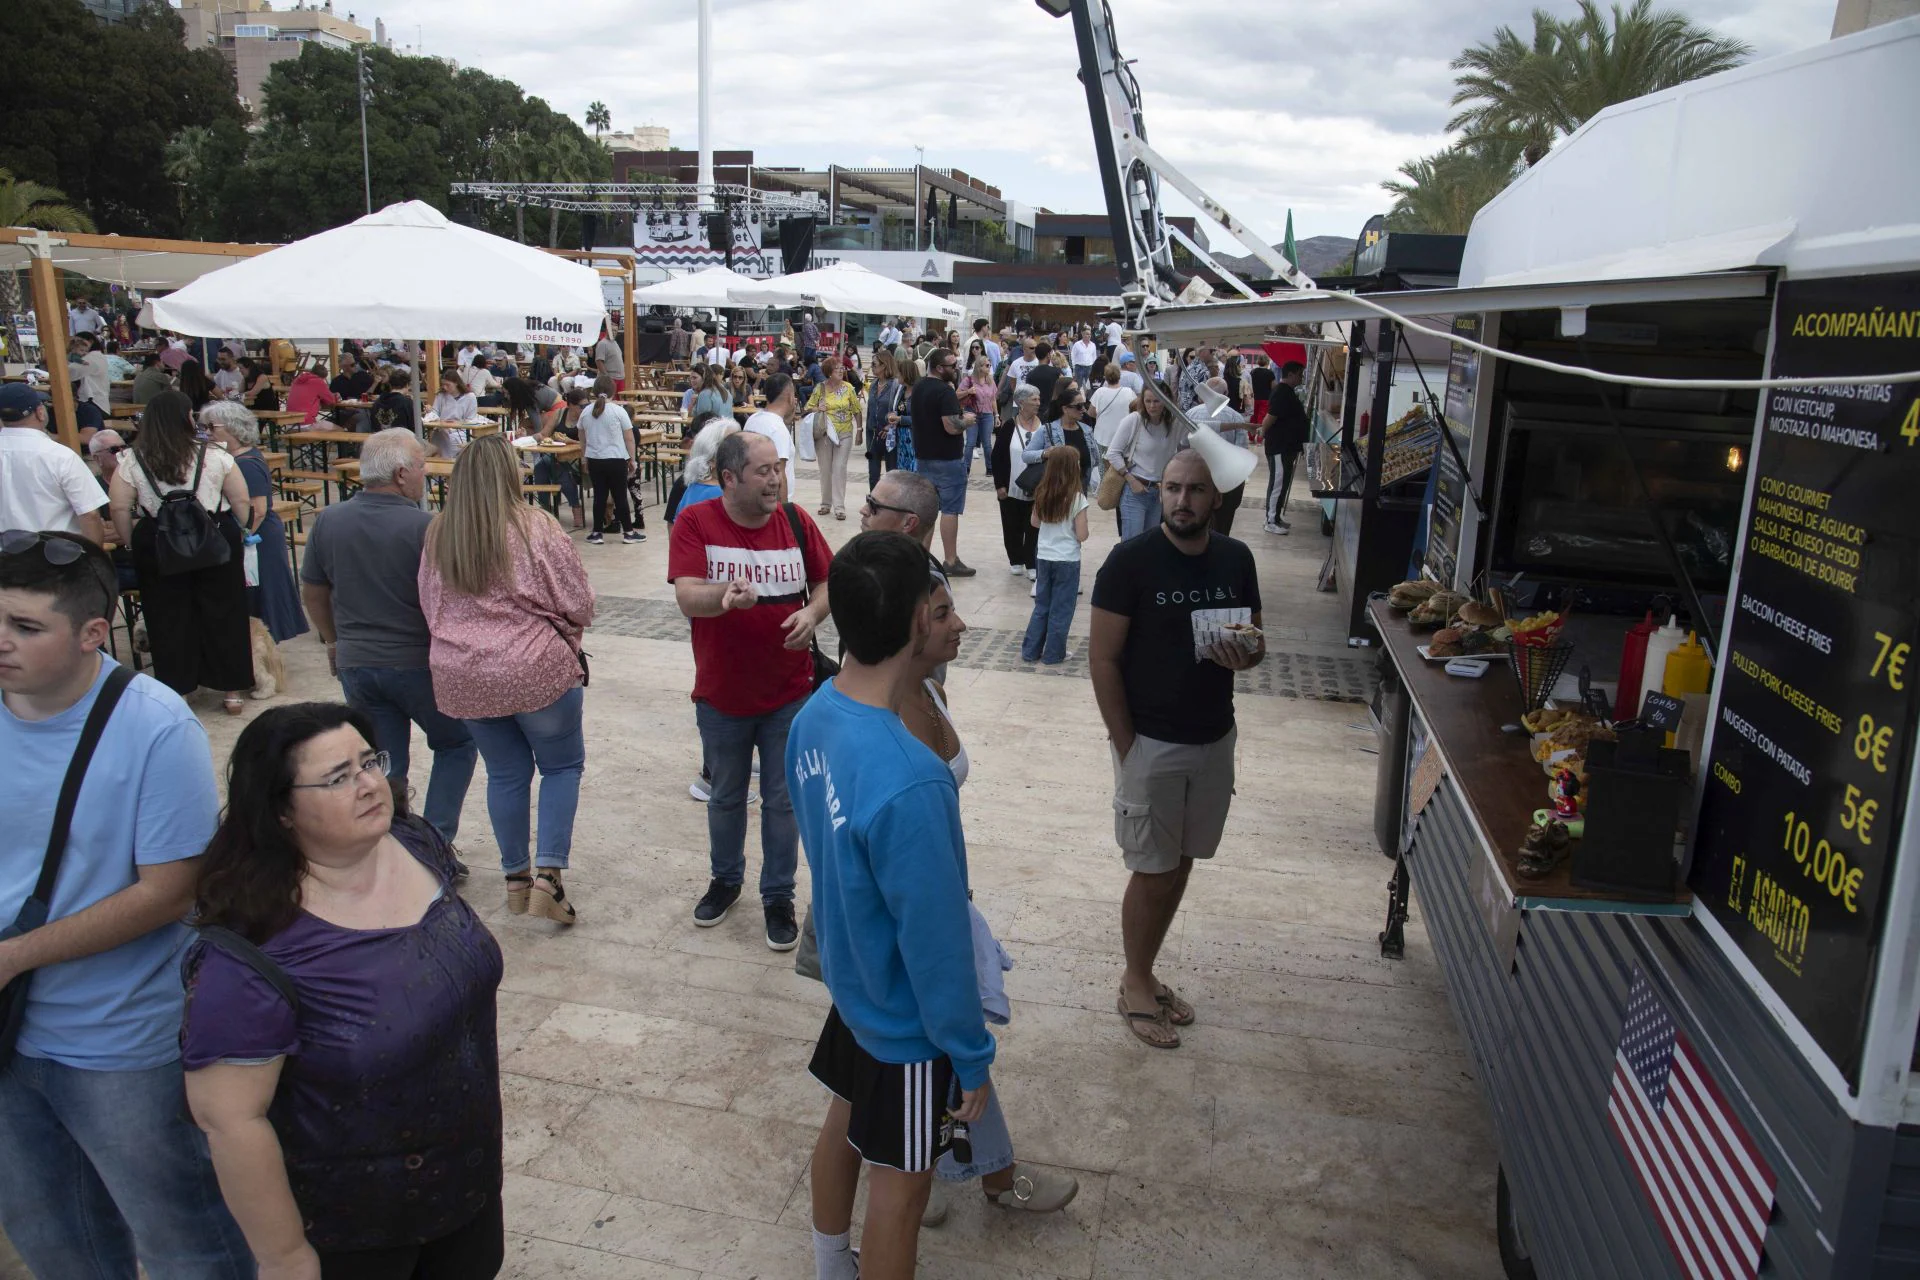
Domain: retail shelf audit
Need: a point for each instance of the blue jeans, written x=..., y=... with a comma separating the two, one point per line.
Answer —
x=727, y=744
x=1139, y=512
x=992, y=1144
x=982, y=435
x=396, y=699
x=106, y=1166
x=1056, y=585
x=512, y=746
x=548, y=469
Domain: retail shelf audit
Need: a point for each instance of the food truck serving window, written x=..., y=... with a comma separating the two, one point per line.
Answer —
x=1804, y=793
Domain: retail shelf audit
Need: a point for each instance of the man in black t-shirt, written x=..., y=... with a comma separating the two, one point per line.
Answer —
x=938, y=429
x=1044, y=375
x=1164, y=650
x=1286, y=435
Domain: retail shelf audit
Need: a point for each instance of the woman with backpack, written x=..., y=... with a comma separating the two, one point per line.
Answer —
x=173, y=502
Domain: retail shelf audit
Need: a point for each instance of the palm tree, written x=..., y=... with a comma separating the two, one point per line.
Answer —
x=30, y=204
x=1571, y=70
x=1443, y=191
x=598, y=118
x=33, y=204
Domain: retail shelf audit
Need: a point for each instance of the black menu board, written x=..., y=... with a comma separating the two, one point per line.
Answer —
x=1803, y=801
x=1450, y=483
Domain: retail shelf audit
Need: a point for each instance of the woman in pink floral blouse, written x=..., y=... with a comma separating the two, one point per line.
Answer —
x=506, y=601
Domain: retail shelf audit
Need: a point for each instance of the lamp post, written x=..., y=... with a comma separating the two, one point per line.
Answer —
x=919, y=195
x=366, y=167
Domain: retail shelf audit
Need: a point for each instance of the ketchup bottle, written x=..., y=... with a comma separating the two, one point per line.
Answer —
x=1633, y=660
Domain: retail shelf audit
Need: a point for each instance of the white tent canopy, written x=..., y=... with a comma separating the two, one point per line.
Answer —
x=712, y=287
x=1789, y=162
x=404, y=272
x=845, y=287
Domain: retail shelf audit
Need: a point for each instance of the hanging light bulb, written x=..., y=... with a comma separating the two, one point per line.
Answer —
x=1735, y=458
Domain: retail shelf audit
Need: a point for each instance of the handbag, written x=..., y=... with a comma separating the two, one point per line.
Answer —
x=33, y=912
x=1028, y=481
x=1112, y=484
x=805, y=442
x=824, y=668
x=580, y=655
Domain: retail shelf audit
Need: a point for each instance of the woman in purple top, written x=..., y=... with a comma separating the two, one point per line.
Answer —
x=359, y=1134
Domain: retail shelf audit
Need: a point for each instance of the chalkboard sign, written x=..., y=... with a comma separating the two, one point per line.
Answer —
x=1660, y=711
x=1803, y=800
x=1449, y=511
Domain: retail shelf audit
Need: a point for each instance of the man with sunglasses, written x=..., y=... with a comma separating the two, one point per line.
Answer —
x=43, y=484
x=102, y=1164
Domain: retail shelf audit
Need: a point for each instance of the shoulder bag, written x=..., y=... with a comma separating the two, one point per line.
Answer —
x=33, y=912
x=1113, y=481
x=254, y=958
x=1028, y=481
x=824, y=668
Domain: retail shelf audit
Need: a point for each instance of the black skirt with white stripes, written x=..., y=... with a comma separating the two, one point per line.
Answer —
x=900, y=1115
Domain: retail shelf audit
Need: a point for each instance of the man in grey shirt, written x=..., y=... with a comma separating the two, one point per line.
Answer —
x=608, y=359
x=359, y=582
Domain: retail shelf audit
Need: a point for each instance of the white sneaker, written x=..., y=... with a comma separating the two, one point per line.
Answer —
x=1016, y=570
x=698, y=790
x=1280, y=529
x=1032, y=576
x=1033, y=592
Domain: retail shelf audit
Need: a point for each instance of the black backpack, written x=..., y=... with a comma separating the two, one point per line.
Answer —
x=185, y=535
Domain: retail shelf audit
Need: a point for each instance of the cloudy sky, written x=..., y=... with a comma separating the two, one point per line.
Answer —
x=1267, y=104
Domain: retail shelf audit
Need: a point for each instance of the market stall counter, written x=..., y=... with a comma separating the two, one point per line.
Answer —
x=1555, y=988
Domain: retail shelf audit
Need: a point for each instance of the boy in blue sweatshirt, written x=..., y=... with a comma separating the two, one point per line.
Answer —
x=905, y=1048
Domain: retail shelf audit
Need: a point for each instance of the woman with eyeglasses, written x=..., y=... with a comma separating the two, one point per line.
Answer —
x=275, y=600
x=197, y=627
x=339, y=1040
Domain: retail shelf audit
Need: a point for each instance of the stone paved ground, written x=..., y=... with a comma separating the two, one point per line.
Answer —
x=1320, y=1120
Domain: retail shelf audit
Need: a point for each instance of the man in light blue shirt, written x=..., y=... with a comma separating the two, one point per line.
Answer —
x=102, y=1165
x=905, y=1050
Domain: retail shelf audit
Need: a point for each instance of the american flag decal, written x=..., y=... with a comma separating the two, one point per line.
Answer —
x=1711, y=1191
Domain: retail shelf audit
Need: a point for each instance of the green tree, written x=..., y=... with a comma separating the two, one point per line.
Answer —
x=1440, y=193
x=29, y=204
x=1546, y=88
x=428, y=127
x=91, y=106
x=598, y=118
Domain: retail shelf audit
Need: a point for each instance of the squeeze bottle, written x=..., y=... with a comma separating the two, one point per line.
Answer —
x=1633, y=664
x=1689, y=670
x=1653, y=673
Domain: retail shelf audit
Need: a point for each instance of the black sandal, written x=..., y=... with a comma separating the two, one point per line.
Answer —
x=552, y=900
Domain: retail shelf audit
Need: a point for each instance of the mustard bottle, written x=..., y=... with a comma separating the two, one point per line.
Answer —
x=1689, y=670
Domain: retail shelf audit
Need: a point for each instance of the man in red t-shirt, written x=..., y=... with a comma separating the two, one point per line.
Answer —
x=755, y=592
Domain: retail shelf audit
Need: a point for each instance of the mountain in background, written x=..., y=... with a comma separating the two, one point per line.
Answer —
x=1319, y=256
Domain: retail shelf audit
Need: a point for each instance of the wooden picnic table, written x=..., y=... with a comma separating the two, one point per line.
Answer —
x=317, y=439
x=124, y=409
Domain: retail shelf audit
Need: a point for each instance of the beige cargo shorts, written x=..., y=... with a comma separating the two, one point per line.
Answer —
x=1170, y=801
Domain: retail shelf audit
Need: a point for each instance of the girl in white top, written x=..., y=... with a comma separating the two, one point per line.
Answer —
x=454, y=404
x=1060, y=514
x=607, y=433
x=1110, y=404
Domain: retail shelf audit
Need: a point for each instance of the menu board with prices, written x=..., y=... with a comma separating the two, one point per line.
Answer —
x=1804, y=793
x=1450, y=482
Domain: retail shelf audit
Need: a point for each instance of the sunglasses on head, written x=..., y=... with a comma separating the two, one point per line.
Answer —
x=57, y=550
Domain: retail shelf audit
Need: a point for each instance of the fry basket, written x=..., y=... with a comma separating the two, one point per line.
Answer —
x=1538, y=668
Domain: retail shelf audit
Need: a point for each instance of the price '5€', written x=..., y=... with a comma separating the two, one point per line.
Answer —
x=1821, y=862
